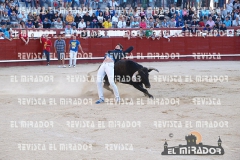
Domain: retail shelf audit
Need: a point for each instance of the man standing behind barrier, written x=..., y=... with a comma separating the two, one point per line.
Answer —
x=46, y=47
x=107, y=67
x=73, y=47
x=60, y=49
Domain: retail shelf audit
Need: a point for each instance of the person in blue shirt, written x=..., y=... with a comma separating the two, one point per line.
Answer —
x=207, y=28
x=227, y=22
x=179, y=23
x=74, y=44
x=186, y=28
x=7, y=34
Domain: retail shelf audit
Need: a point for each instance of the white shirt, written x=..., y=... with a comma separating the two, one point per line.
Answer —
x=121, y=24
x=229, y=7
x=114, y=19
x=81, y=25
x=100, y=18
x=236, y=23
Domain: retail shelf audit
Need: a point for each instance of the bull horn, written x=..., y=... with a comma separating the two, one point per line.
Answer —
x=134, y=77
x=151, y=68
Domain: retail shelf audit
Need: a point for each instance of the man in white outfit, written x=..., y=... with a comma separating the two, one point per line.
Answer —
x=107, y=67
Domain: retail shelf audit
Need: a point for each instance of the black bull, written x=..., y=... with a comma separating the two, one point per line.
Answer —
x=129, y=72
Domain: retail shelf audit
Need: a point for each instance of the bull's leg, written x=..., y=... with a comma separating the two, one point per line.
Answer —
x=106, y=84
x=140, y=88
x=141, y=85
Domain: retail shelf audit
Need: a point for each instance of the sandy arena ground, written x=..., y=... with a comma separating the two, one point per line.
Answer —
x=18, y=142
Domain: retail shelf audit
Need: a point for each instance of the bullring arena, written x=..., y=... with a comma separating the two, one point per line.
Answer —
x=50, y=113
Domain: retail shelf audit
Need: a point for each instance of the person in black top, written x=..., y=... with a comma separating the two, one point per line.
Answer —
x=223, y=27
x=77, y=19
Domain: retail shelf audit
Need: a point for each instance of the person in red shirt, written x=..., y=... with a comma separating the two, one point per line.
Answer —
x=23, y=36
x=46, y=47
x=201, y=23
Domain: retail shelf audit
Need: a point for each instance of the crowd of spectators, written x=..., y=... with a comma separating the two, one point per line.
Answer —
x=186, y=19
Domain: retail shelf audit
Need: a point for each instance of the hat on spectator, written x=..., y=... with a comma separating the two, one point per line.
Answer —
x=207, y=25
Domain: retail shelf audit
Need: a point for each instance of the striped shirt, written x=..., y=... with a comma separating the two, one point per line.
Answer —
x=60, y=45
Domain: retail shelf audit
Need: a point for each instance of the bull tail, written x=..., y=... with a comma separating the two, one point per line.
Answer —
x=89, y=74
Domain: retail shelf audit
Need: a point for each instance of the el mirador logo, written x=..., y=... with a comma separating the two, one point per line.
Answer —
x=194, y=146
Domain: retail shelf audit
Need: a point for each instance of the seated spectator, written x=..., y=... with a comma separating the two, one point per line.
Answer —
x=94, y=21
x=24, y=36
x=30, y=16
x=223, y=27
x=201, y=23
x=77, y=19
x=165, y=23
x=54, y=17
x=143, y=24
x=107, y=24
x=227, y=22
x=47, y=23
x=236, y=5
x=97, y=13
x=210, y=22
x=107, y=15
x=207, y=28
x=68, y=30
x=82, y=24
x=229, y=6
x=194, y=29
x=149, y=33
x=141, y=33
x=172, y=23
x=14, y=20
x=3, y=28
x=186, y=28
x=128, y=23
x=216, y=26
x=7, y=34
x=22, y=25
x=236, y=22
x=179, y=23
x=29, y=24
x=157, y=23
x=5, y=20
x=88, y=25
x=194, y=22
x=135, y=23
x=38, y=23
x=115, y=20
x=150, y=23
x=22, y=17
x=218, y=20
x=58, y=24
x=70, y=19
x=87, y=17
x=121, y=23
x=100, y=19
x=84, y=34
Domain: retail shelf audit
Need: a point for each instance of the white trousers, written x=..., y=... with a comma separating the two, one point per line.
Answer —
x=106, y=68
x=73, y=58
